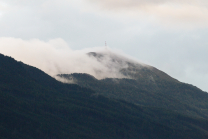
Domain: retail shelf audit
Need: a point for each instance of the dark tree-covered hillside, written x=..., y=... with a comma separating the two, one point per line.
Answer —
x=33, y=105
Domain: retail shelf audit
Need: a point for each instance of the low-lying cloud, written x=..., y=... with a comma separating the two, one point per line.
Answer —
x=55, y=57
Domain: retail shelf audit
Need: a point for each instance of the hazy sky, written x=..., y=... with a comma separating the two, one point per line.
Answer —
x=170, y=35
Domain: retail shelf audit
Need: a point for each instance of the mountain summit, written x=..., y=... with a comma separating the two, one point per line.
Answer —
x=128, y=68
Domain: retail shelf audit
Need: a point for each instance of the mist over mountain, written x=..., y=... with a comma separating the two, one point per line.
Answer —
x=55, y=57
x=109, y=64
x=128, y=68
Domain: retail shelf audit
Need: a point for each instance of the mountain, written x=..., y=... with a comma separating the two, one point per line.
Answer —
x=129, y=68
x=143, y=85
x=34, y=105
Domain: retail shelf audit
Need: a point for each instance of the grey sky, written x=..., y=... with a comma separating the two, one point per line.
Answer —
x=168, y=34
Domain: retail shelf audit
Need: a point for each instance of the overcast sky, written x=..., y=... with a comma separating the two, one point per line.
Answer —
x=170, y=35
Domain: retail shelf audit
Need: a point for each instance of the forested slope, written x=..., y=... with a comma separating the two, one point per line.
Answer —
x=34, y=105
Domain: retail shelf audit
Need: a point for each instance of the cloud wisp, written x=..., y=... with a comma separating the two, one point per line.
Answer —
x=55, y=57
x=166, y=11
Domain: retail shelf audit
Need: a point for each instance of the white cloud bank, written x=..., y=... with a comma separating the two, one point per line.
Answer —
x=55, y=57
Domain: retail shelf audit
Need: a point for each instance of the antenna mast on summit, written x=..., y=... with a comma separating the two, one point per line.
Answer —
x=105, y=45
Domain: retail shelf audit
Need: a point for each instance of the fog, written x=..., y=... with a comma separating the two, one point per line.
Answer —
x=55, y=57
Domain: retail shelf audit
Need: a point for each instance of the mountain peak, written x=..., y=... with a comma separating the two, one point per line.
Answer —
x=127, y=68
